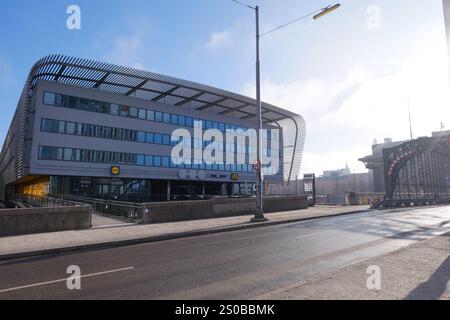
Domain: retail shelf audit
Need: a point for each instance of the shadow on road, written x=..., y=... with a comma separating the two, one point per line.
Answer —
x=435, y=287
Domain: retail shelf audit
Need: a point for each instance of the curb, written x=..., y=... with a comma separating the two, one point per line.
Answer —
x=165, y=237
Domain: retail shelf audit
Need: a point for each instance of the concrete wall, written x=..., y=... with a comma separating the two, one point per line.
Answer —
x=40, y=220
x=218, y=207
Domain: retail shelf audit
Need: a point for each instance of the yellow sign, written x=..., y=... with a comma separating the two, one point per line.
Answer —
x=115, y=171
x=234, y=176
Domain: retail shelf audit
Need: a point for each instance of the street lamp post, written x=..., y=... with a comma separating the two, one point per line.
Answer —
x=259, y=215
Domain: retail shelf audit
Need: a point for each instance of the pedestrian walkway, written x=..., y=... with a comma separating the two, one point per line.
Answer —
x=67, y=241
x=100, y=221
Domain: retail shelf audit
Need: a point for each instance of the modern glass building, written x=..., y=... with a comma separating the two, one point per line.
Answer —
x=93, y=129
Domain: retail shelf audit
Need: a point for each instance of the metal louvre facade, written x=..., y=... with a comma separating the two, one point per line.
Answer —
x=142, y=85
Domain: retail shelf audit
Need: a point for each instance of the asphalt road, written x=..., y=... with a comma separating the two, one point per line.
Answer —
x=233, y=265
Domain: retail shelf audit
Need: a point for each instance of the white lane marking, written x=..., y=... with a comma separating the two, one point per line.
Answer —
x=315, y=234
x=65, y=279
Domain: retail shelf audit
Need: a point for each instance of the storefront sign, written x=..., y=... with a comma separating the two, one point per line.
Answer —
x=115, y=171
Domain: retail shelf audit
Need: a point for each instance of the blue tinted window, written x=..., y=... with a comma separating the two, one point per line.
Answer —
x=140, y=160
x=174, y=119
x=149, y=161
x=189, y=122
x=157, y=161
x=150, y=115
x=150, y=137
x=166, y=118
x=142, y=114
x=49, y=98
x=182, y=121
x=165, y=162
x=158, y=138
x=158, y=116
x=166, y=139
x=140, y=137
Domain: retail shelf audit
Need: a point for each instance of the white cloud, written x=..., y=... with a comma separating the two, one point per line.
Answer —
x=218, y=39
x=345, y=114
x=127, y=50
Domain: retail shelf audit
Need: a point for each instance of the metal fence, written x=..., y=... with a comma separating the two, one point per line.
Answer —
x=128, y=210
x=42, y=201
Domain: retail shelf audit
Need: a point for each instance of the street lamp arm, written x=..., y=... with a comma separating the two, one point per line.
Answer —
x=317, y=14
x=244, y=4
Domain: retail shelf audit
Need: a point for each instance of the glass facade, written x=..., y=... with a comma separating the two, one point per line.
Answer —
x=122, y=158
x=103, y=132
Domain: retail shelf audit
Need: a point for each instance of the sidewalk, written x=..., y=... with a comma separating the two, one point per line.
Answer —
x=417, y=272
x=120, y=235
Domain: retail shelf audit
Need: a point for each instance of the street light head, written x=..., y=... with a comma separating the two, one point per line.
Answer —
x=326, y=11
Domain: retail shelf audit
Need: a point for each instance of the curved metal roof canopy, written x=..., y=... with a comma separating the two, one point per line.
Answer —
x=169, y=90
x=151, y=86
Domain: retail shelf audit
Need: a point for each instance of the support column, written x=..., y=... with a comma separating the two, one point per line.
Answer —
x=168, y=190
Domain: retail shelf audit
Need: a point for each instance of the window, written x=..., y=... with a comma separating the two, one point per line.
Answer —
x=70, y=127
x=158, y=138
x=182, y=120
x=72, y=102
x=165, y=162
x=166, y=139
x=151, y=115
x=142, y=114
x=189, y=122
x=48, y=125
x=104, y=107
x=166, y=118
x=124, y=111
x=83, y=104
x=149, y=161
x=150, y=137
x=140, y=136
x=67, y=154
x=157, y=161
x=49, y=98
x=61, y=127
x=114, y=109
x=174, y=119
x=158, y=116
x=133, y=112
x=48, y=153
x=140, y=160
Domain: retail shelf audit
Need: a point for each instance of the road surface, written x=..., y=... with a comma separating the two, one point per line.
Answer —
x=243, y=264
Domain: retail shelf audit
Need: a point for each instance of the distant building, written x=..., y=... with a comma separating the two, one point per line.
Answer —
x=375, y=163
x=412, y=169
x=337, y=173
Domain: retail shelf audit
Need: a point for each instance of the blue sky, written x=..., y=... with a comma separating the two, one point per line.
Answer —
x=350, y=74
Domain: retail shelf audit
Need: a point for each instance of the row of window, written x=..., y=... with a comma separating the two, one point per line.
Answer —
x=122, y=158
x=54, y=99
x=103, y=132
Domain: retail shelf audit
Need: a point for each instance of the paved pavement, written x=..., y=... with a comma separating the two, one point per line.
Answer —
x=100, y=221
x=249, y=264
x=418, y=272
x=109, y=232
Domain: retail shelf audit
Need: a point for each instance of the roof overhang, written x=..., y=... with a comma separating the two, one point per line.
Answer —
x=152, y=86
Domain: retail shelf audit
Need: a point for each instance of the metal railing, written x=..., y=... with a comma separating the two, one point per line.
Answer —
x=128, y=210
x=42, y=201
